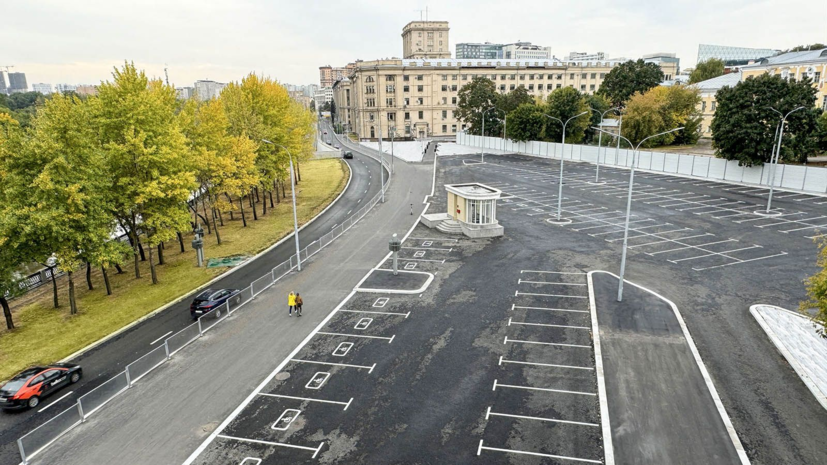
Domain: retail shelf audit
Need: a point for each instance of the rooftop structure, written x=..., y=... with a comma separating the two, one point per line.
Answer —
x=733, y=56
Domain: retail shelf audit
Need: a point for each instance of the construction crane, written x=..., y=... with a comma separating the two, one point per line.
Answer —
x=165, y=73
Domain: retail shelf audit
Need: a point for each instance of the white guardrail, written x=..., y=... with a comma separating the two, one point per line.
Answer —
x=811, y=179
x=44, y=435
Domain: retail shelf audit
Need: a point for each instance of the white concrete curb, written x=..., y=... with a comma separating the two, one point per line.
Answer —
x=820, y=396
x=397, y=291
x=205, y=285
x=608, y=447
x=733, y=435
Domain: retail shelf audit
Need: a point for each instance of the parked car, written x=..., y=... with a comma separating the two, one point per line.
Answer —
x=325, y=133
x=336, y=146
x=347, y=154
x=210, y=299
x=30, y=386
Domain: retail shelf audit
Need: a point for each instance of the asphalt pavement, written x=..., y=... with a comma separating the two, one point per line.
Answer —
x=104, y=361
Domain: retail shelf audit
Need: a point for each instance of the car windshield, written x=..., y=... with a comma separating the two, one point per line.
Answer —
x=13, y=385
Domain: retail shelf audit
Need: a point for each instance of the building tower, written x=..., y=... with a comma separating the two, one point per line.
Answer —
x=425, y=39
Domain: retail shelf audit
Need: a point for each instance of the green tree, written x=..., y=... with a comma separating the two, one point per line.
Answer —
x=475, y=97
x=744, y=126
x=563, y=104
x=822, y=131
x=146, y=157
x=662, y=109
x=707, y=70
x=598, y=104
x=817, y=291
x=526, y=123
x=629, y=78
x=510, y=101
x=10, y=138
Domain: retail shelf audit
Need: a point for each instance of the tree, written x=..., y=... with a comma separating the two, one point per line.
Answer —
x=9, y=255
x=707, y=70
x=817, y=291
x=313, y=106
x=744, y=126
x=475, y=97
x=629, y=78
x=662, y=109
x=563, y=104
x=510, y=101
x=526, y=122
x=598, y=104
x=146, y=157
x=822, y=132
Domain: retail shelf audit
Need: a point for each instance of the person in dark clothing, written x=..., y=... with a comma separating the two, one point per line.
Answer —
x=298, y=304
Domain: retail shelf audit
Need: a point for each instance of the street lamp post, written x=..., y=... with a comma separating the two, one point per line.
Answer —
x=600, y=143
x=393, y=134
x=562, y=153
x=778, y=152
x=381, y=161
x=482, y=142
x=293, y=192
x=629, y=205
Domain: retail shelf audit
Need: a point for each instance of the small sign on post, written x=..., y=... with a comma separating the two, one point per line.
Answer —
x=394, y=245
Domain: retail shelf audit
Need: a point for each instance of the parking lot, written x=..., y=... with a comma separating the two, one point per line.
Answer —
x=495, y=361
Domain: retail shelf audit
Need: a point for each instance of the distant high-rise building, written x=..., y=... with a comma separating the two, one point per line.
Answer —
x=62, y=88
x=585, y=56
x=3, y=89
x=206, y=90
x=425, y=40
x=17, y=83
x=328, y=74
x=485, y=51
x=185, y=93
x=43, y=88
x=310, y=90
x=733, y=56
x=323, y=95
x=86, y=90
x=668, y=62
x=525, y=51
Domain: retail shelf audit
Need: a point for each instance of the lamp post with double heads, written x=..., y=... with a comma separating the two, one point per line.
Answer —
x=293, y=192
x=778, y=152
x=600, y=142
x=393, y=134
x=482, y=142
x=629, y=204
x=562, y=153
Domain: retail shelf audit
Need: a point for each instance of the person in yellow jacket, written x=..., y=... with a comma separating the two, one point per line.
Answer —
x=291, y=303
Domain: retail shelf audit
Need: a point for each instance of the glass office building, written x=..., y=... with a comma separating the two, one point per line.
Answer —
x=733, y=56
x=484, y=51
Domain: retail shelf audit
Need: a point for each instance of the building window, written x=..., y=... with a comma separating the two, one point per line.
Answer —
x=582, y=87
x=407, y=116
x=445, y=100
x=559, y=77
x=419, y=101
x=453, y=77
x=445, y=88
x=479, y=211
x=390, y=78
x=454, y=88
x=571, y=76
x=531, y=87
x=453, y=100
x=389, y=101
x=703, y=106
x=408, y=129
x=406, y=88
x=591, y=87
x=502, y=87
x=453, y=128
x=513, y=77
x=371, y=102
x=369, y=79
x=421, y=115
x=370, y=89
x=493, y=77
x=420, y=88
x=522, y=77
x=512, y=87
x=539, y=87
x=540, y=77
x=602, y=75
x=390, y=88
x=594, y=75
x=391, y=116
x=713, y=105
x=464, y=77
x=419, y=77
x=370, y=116
x=824, y=103
x=406, y=78
x=444, y=114
x=530, y=77
x=444, y=128
x=372, y=133
x=583, y=75
x=558, y=86
x=444, y=77
x=406, y=101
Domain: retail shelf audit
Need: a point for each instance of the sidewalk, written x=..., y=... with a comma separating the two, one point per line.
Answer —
x=166, y=416
x=661, y=409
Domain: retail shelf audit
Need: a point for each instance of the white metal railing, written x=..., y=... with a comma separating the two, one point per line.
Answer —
x=812, y=179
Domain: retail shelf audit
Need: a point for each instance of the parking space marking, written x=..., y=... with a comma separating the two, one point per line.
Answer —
x=518, y=293
x=363, y=323
x=670, y=240
x=514, y=307
x=410, y=266
x=739, y=262
x=525, y=323
x=317, y=380
x=520, y=281
x=342, y=349
x=520, y=341
x=535, y=454
x=315, y=450
x=308, y=399
x=551, y=365
x=532, y=388
x=406, y=315
x=489, y=413
x=429, y=248
x=389, y=339
x=724, y=253
x=381, y=301
x=250, y=461
x=287, y=417
x=691, y=246
x=360, y=367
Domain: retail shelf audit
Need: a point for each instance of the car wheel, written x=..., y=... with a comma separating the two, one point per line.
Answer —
x=74, y=378
x=218, y=314
x=33, y=402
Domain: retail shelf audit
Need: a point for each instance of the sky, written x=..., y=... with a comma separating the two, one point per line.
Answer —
x=79, y=42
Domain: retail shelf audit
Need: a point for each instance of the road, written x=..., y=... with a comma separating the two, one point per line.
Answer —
x=110, y=358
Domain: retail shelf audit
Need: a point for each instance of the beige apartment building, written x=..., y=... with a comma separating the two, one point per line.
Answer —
x=328, y=74
x=425, y=39
x=419, y=97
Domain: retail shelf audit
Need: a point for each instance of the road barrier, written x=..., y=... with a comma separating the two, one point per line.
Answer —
x=810, y=179
x=41, y=437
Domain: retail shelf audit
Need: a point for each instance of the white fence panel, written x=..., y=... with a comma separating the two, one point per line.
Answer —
x=793, y=176
x=716, y=168
x=670, y=164
x=685, y=163
x=816, y=179
x=752, y=174
x=590, y=154
x=644, y=159
x=733, y=171
x=700, y=166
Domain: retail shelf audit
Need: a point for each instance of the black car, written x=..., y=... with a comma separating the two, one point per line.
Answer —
x=347, y=154
x=208, y=300
x=27, y=388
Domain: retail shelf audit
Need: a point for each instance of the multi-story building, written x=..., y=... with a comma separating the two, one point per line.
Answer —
x=310, y=90
x=3, y=89
x=585, y=56
x=796, y=65
x=668, y=62
x=185, y=93
x=525, y=51
x=426, y=40
x=63, y=88
x=328, y=75
x=708, y=89
x=42, y=87
x=17, y=83
x=206, y=90
x=733, y=56
x=87, y=90
x=487, y=50
x=323, y=95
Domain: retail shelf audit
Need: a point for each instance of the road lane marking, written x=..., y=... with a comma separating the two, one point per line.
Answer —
x=56, y=401
x=165, y=335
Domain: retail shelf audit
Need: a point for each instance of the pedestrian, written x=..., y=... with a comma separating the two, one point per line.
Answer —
x=291, y=303
x=298, y=304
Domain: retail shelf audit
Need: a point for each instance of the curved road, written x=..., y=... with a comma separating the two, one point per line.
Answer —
x=110, y=358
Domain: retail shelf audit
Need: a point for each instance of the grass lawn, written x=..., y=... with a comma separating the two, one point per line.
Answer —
x=45, y=334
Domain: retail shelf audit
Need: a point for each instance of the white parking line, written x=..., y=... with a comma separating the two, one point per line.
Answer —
x=389, y=339
x=551, y=272
x=514, y=307
x=552, y=365
x=518, y=293
x=536, y=454
x=671, y=240
x=520, y=281
x=520, y=341
x=271, y=443
x=524, y=323
x=369, y=368
x=531, y=388
x=724, y=253
x=489, y=413
x=691, y=247
x=406, y=315
x=346, y=404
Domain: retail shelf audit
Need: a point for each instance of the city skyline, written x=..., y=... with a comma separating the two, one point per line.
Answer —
x=224, y=42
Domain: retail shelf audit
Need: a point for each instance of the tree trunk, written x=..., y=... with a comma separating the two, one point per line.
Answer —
x=161, y=253
x=206, y=215
x=243, y=218
x=276, y=188
x=141, y=250
x=6, y=312
x=135, y=246
x=215, y=227
x=89, y=276
x=252, y=200
x=118, y=267
x=152, y=267
x=181, y=241
x=253, y=207
x=298, y=171
x=264, y=204
x=73, y=306
x=282, y=189
x=271, y=200
x=54, y=287
x=106, y=280
x=257, y=197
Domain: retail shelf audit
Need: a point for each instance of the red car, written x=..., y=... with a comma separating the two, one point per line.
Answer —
x=30, y=386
